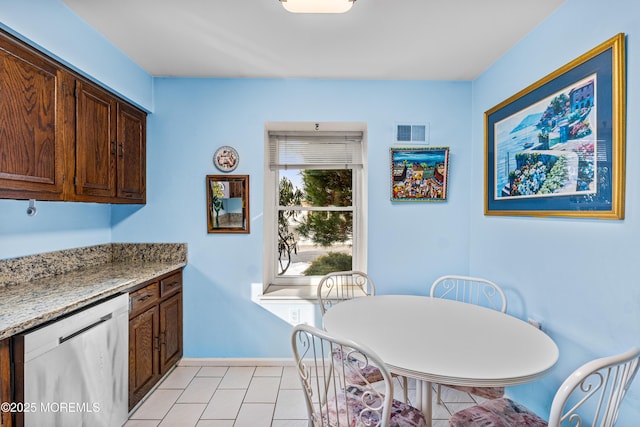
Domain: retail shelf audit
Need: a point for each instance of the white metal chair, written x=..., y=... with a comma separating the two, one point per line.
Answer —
x=590, y=396
x=472, y=290
x=331, y=400
x=343, y=285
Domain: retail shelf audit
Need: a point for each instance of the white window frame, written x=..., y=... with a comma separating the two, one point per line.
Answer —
x=359, y=238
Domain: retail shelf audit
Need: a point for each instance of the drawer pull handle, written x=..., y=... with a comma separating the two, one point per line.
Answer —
x=145, y=297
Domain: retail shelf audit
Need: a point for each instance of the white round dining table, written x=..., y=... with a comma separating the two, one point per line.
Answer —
x=437, y=340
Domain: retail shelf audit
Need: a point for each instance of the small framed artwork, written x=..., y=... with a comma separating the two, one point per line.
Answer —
x=557, y=147
x=226, y=159
x=228, y=204
x=419, y=174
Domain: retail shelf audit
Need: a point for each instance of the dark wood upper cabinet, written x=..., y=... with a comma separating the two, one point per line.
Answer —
x=32, y=120
x=63, y=137
x=95, y=142
x=132, y=154
x=110, y=142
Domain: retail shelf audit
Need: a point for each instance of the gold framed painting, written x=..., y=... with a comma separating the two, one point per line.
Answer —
x=557, y=148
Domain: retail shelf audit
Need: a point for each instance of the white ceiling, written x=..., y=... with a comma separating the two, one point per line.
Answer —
x=376, y=39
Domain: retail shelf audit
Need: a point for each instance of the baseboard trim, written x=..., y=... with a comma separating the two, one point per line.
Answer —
x=225, y=361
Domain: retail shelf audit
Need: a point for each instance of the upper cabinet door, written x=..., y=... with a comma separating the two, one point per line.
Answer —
x=95, y=142
x=63, y=137
x=32, y=146
x=131, y=164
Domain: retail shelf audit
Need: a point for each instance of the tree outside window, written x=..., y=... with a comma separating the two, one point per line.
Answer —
x=315, y=221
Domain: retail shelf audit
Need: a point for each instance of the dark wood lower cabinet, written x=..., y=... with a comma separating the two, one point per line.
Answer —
x=5, y=381
x=155, y=333
x=170, y=332
x=155, y=344
x=143, y=360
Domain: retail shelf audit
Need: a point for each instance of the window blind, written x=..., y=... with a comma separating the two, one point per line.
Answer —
x=307, y=150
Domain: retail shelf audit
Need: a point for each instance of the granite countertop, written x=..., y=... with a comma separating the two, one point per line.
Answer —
x=29, y=301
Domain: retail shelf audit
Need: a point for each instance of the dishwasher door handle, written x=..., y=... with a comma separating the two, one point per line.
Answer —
x=86, y=328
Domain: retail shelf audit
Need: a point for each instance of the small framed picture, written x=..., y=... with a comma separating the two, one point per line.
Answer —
x=228, y=204
x=419, y=174
x=226, y=158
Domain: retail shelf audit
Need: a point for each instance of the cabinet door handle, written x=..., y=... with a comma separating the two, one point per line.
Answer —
x=157, y=339
x=113, y=148
x=121, y=149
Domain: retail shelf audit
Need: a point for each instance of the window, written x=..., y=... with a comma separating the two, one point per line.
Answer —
x=315, y=214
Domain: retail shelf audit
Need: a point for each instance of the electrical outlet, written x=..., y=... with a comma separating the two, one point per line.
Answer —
x=294, y=315
x=535, y=323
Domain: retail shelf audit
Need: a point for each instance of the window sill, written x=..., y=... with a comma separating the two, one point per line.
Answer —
x=289, y=293
x=293, y=304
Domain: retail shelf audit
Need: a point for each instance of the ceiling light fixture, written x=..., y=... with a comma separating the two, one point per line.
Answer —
x=317, y=6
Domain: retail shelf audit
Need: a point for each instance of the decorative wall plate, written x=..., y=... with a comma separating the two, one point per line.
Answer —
x=226, y=158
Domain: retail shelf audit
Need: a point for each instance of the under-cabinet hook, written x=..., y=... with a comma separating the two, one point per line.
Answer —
x=31, y=210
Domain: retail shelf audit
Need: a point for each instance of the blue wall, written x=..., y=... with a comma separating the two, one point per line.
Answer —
x=193, y=117
x=580, y=277
x=56, y=226
x=583, y=290
x=51, y=26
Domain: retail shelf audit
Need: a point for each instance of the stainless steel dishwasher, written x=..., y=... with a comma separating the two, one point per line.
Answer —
x=76, y=369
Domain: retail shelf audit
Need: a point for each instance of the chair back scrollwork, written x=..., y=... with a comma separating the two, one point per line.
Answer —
x=472, y=290
x=330, y=398
x=343, y=285
x=592, y=394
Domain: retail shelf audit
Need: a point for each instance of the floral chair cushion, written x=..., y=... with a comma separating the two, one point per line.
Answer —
x=486, y=392
x=357, y=408
x=502, y=412
x=367, y=374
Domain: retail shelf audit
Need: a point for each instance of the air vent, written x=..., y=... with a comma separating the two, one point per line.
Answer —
x=416, y=133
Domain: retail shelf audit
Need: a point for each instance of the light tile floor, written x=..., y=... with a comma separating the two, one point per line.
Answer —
x=248, y=396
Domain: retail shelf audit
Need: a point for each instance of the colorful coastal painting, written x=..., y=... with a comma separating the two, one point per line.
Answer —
x=557, y=147
x=549, y=148
x=419, y=174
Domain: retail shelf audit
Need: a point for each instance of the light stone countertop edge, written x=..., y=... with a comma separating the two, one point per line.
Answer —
x=31, y=304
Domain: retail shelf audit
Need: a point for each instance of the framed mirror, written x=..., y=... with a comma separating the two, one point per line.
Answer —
x=228, y=203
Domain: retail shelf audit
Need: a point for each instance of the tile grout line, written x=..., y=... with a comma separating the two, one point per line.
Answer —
x=468, y=400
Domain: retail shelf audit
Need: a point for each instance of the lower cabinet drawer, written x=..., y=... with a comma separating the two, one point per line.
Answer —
x=144, y=298
x=170, y=284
